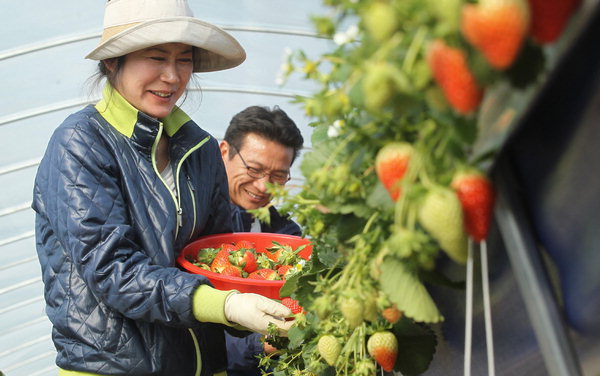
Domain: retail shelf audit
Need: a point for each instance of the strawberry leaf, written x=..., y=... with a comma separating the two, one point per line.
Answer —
x=404, y=288
x=418, y=343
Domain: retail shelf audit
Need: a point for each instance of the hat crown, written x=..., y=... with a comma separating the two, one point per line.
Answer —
x=124, y=12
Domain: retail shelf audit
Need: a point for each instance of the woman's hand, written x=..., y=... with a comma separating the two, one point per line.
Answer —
x=255, y=312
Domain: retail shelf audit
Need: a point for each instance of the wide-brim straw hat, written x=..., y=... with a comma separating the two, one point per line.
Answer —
x=132, y=25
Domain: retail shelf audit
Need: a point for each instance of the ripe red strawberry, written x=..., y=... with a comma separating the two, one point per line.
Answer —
x=292, y=304
x=245, y=244
x=329, y=347
x=284, y=270
x=228, y=246
x=221, y=261
x=244, y=258
x=231, y=271
x=383, y=347
x=497, y=28
x=267, y=274
x=392, y=314
x=391, y=164
x=476, y=196
x=451, y=72
x=549, y=17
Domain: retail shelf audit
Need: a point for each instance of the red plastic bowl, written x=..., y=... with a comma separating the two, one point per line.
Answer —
x=261, y=240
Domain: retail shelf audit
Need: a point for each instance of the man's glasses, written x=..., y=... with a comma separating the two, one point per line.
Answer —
x=278, y=177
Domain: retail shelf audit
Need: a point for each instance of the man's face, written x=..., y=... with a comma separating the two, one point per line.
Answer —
x=260, y=154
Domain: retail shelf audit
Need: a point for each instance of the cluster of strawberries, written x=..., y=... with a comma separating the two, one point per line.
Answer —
x=241, y=259
x=496, y=29
x=472, y=188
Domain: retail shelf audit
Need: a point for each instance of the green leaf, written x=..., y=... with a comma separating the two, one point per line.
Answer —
x=296, y=337
x=404, y=288
x=290, y=285
x=417, y=344
x=437, y=278
x=380, y=198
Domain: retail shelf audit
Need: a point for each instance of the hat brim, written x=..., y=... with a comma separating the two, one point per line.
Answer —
x=217, y=49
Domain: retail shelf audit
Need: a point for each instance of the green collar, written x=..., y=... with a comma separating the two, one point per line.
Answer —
x=123, y=116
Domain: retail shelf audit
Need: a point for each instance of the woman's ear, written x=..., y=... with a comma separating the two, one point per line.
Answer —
x=110, y=64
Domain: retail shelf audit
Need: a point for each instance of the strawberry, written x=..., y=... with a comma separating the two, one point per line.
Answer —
x=244, y=244
x=352, y=309
x=244, y=258
x=441, y=215
x=329, y=347
x=549, y=17
x=380, y=20
x=268, y=274
x=383, y=347
x=228, y=246
x=497, y=28
x=285, y=270
x=476, y=196
x=391, y=164
x=221, y=261
x=292, y=304
x=207, y=255
x=392, y=314
x=231, y=271
x=451, y=72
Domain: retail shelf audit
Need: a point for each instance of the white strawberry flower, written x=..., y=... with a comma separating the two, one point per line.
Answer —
x=347, y=36
x=335, y=129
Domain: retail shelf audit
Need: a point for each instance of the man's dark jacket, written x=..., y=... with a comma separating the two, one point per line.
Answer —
x=242, y=351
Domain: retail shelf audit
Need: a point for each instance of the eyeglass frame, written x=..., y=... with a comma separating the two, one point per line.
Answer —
x=260, y=173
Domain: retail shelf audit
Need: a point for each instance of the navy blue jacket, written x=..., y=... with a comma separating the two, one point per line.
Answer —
x=242, y=352
x=108, y=232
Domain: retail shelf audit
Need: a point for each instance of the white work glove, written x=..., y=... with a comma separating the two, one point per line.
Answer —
x=255, y=312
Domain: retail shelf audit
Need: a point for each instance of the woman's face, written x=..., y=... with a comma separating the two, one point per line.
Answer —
x=153, y=79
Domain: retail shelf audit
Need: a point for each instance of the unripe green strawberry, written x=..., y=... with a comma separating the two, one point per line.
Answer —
x=380, y=20
x=370, y=307
x=383, y=347
x=353, y=310
x=441, y=215
x=476, y=196
x=365, y=367
x=329, y=348
x=391, y=164
x=379, y=84
x=322, y=306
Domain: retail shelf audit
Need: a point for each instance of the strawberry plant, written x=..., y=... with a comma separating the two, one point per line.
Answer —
x=402, y=101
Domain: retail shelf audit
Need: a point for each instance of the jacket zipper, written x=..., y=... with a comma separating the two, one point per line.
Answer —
x=177, y=208
x=176, y=200
x=192, y=190
x=183, y=158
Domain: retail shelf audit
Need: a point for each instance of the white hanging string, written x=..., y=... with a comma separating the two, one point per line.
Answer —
x=469, y=310
x=489, y=335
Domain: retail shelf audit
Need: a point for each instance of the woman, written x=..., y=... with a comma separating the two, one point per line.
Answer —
x=123, y=186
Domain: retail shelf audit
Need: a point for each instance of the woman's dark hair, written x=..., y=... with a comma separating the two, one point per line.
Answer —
x=274, y=125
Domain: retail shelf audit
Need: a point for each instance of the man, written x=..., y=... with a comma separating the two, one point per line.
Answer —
x=259, y=147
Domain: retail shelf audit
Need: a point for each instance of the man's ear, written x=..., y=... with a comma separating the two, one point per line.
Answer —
x=224, y=146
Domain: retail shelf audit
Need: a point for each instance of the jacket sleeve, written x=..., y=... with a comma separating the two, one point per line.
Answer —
x=242, y=352
x=79, y=201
